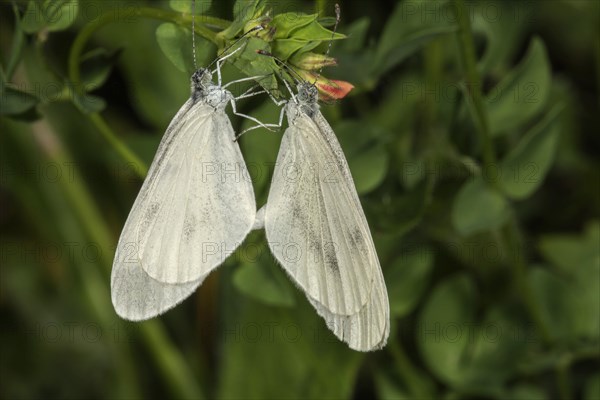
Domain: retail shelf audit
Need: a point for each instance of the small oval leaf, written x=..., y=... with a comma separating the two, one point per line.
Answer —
x=522, y=93
x=478, y=207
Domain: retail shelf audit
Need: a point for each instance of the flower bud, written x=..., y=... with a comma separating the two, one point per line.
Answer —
x=312, y=61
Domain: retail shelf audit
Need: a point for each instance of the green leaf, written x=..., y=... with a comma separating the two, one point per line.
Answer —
x=96, y=66
x=15, y=101
x=407, y=278
x=286, y=23
x=33, y=20
x=302, y=27
x=522, y=93
x=176, y=44
x=369, y=168
x=473, y=356
x=245, y=8
x=244, y=11
x=17, y=45
x=441, y=337
x=170, y=38
x=503, y=33
x=60, y=14
x=55, y=15
x=573, y=253
x=367, y=158
x=315, y=31
x=523, y=169
x=88, y=103
x=411, y=25
x=570, y=297
x=259, y=277
x=478, y=207
x=285, y=48
x=570, y=307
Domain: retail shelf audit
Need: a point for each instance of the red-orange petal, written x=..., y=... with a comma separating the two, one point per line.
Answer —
x=334, y=89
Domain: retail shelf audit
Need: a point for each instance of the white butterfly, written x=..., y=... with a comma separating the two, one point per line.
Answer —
x=316, y=228
x=194, y=209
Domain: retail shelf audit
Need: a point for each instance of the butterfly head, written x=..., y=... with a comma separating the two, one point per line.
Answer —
x=307, y=98
x=307, y=93
x=201, y=79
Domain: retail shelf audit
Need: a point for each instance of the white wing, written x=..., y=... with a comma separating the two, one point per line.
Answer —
x=194, y=208
x=366, y=330
x=317, y=230
x=135, y=295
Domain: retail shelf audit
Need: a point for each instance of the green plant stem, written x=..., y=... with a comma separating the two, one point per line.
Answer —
x=93, y=289
x=433, y=75
x=140, y=167
x=321, y=7
x=597, y=60
x=473, y=81
x=168, y=360
x=562, y=378
x=409, y=373
x=514, y=242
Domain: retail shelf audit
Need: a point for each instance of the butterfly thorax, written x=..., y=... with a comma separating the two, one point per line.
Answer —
x=203, y=89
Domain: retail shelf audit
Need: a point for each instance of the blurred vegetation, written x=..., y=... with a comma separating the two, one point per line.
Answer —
x=470, y=135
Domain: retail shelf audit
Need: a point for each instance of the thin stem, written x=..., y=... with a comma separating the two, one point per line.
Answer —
x=473, y=83
x=433, y=75
x=168, y=359
x=170, y=362
x=562, y=378
x=514, y=242
x=321, y=7
x=140, y=168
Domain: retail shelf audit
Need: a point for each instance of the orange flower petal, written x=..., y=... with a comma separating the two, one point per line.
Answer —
x=334, y=89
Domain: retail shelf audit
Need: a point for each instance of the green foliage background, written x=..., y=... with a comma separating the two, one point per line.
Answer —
x=470, y=136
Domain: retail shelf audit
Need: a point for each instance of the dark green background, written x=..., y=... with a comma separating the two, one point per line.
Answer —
x=492, y=265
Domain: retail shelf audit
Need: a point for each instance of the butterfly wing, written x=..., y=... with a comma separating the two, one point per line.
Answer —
x=193, y=210
x=317, y=230
x=369, y=328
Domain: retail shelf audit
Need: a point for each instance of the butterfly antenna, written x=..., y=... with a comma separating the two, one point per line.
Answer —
x=338, y=14
x=194, y=34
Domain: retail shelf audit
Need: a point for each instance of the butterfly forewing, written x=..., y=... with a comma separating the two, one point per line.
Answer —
x=201, y=206
x=314, y=226
x=194, y=208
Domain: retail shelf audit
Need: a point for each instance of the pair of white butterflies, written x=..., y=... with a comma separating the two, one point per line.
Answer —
x=195, y=208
